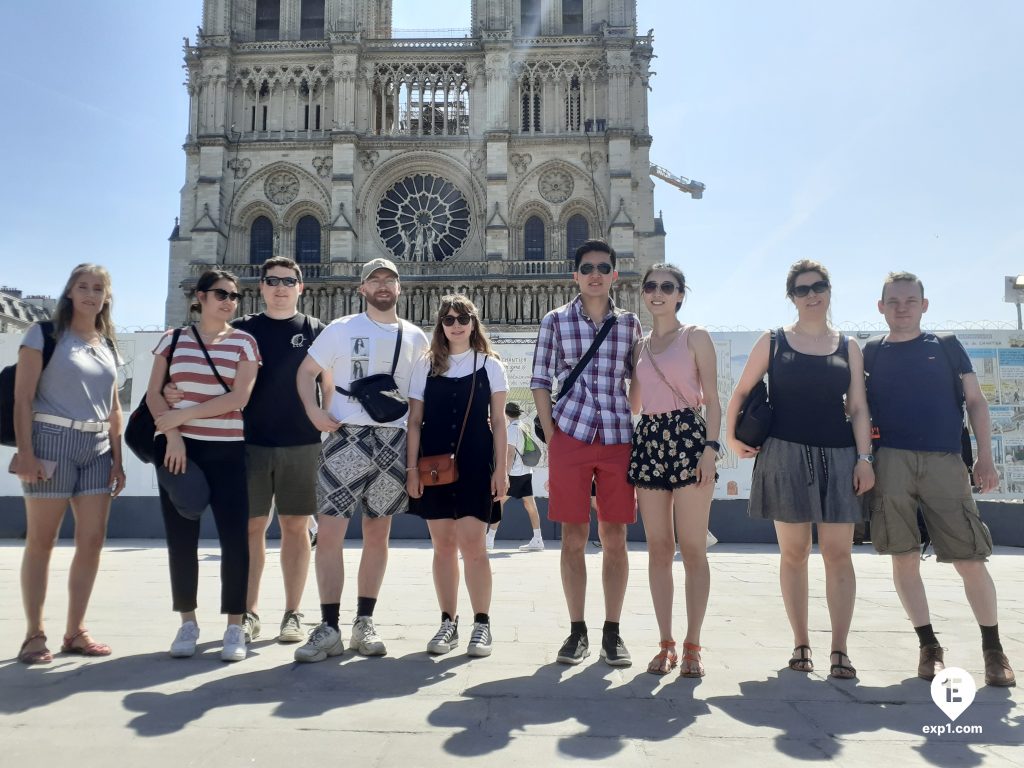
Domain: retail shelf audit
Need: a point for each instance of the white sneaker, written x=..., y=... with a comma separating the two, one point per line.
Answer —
x=489, y=543
x=480, y=640
x=533, y=545
x=365, y=639
x=234, y=644
x=323, y=641
x=446, y=639
x=184, y=644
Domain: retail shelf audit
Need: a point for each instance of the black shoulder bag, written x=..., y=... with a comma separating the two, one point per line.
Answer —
x=576, y=371
x=140, y=430
x=754, y=421
x=379, y=394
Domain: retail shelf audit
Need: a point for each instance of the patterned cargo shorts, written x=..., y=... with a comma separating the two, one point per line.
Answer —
x=362, y=467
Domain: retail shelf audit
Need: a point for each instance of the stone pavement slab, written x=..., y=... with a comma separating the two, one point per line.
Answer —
x=409, y=709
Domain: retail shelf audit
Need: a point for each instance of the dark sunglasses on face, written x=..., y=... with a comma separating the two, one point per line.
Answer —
x=802, y=291
x=223, y=295
x=289, y=282
x=604, y=268
x=449, y=320
x=667, y=288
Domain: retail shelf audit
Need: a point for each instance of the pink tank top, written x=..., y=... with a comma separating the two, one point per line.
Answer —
x=678, y=366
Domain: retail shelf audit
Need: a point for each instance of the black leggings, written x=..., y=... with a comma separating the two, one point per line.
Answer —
x=223, y=463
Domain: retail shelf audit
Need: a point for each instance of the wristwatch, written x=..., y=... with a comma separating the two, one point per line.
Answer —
x=868, y=457
x=714, y=445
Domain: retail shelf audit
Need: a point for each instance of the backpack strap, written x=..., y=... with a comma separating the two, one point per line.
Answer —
x=870, y=352
x=49, y=340
x=950, y=348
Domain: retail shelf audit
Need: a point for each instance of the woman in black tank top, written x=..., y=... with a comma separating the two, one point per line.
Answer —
x=816, y=462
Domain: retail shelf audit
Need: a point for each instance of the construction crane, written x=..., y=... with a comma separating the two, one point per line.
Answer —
x=694, y=188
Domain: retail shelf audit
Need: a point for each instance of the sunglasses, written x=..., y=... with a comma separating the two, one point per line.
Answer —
x=449, y=320
x=802, y=291
x=223, y=295
x=604, y=268
x=668, y=288
x=288, y=282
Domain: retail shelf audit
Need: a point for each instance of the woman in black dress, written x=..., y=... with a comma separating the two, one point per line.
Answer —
x=457, y=393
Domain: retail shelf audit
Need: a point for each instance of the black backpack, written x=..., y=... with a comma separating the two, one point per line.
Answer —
x=7, y=385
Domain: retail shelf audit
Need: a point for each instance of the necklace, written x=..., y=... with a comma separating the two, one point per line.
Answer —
x=382, y=326
x=671, y=336
x=826, y=335
x=454, y=366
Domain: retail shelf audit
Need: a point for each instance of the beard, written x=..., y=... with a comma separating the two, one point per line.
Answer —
x=382, y=303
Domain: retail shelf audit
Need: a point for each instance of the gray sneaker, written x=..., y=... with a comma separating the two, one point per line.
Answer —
x=323, y=641
x=291, y=628
x=446, y=639
x=480, y=640
x=250, y=626
x=365, y=639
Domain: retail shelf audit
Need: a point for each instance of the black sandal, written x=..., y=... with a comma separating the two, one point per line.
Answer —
x=841, y=671
x=801, y=661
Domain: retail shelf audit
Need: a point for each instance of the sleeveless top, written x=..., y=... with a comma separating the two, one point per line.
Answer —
x=807, y=394
x=679, y=367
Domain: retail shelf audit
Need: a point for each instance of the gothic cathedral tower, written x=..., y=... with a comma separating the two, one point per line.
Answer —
x=476, y=161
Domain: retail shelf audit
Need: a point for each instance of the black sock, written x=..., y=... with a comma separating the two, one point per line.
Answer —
x=329, y=613
x=578, y=628
x=610, y=628
x=365, y=606
x=482, y=618
x=990, y=638
x=445, y=616
x=926, y=635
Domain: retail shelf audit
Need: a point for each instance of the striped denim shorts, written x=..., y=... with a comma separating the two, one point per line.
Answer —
x=83, y=461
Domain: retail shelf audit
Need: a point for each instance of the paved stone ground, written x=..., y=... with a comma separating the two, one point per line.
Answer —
x=139, y=707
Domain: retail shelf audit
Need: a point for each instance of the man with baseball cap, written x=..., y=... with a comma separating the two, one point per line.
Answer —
x=362, y=461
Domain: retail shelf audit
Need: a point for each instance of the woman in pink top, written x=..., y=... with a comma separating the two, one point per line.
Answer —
x=204, y=430
x=673, y=463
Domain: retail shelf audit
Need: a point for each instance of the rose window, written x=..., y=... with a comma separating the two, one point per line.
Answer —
x=423, y=218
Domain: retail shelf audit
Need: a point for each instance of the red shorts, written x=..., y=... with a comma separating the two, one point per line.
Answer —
x=573, y=466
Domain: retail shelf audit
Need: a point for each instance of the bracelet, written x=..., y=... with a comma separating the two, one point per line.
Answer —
x=411, y=469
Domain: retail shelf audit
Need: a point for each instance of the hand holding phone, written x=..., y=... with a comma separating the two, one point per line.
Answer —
x=42, y=472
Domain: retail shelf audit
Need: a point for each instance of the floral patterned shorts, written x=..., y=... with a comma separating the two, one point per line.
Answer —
x=666, y=449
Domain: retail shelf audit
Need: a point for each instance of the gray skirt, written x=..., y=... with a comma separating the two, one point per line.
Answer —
x=794, y=483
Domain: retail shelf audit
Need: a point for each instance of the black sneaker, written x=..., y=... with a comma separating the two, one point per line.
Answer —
x=614, y=652
x=574, y=650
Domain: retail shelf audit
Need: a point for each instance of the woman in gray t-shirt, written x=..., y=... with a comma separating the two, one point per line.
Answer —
x=67, y=422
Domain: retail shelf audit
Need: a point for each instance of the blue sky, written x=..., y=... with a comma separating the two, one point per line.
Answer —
x=872, y=136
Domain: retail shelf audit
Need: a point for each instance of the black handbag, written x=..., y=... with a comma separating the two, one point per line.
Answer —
x=575, y=373
x=754, y=420
x=379, y=394
x=140, y=430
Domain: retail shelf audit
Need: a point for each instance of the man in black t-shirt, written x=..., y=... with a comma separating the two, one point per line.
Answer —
x=914, y=383
x=282, y=446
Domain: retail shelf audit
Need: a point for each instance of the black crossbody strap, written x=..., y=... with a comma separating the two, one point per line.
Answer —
x=771, y=363
x=576, y=371
x=195, y=332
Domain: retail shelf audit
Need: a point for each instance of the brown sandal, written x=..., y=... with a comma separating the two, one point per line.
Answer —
x=91, y=647
x=666, y=659
x=839, y=670
x=801, y=661
x=692, y=666
x=42, y=656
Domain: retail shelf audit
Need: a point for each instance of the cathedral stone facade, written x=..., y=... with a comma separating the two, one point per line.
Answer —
x=476, y=162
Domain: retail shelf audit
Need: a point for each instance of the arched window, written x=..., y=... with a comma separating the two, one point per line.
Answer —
x=307, y=241
x=572, y=17
x=530, y=114
x=577, y=231
x=533, y=237
x=268, y=19
x=261, y=240
x=312, y=20
x=529, y=18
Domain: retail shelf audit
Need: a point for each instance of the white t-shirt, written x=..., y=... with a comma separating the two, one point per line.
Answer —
x=355, y=346
x=460, y=365
x=515, y=439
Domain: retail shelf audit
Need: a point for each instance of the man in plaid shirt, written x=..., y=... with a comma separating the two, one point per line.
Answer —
x=588, y=433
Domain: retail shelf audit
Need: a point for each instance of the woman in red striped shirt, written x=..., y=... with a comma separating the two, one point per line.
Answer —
x=214, y=366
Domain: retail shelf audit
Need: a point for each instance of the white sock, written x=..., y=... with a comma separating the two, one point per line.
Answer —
x=536, y=535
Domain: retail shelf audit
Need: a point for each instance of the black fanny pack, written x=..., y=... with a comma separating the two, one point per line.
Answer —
x=379, y=394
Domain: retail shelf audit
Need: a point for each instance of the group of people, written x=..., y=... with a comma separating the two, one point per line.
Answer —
x=273, y=409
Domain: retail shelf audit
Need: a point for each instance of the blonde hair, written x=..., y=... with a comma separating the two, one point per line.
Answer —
x=438, y=352
x=66, y=308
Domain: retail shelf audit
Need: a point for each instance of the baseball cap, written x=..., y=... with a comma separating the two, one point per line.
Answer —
x=372, y=266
